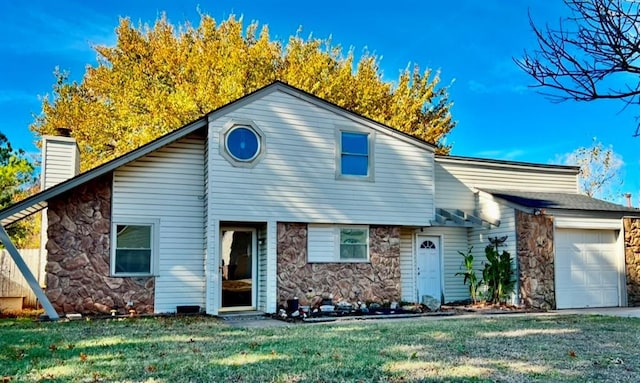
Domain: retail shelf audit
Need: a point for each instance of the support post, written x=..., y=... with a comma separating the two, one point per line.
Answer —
x=28, y=276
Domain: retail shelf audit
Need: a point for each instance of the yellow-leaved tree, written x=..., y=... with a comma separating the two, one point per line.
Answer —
x=158, y=78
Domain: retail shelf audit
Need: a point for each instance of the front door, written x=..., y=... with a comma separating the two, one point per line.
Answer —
x=428, y=269
x=238, y=268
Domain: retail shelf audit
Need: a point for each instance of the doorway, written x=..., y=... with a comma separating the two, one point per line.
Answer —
x=428, y=267
x=238, y=254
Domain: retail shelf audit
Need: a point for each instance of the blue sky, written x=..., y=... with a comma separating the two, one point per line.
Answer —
x=471, y=42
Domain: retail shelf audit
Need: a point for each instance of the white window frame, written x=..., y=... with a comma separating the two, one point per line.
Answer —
x=328, y=236
x=155, y=244
x=371, y=135
x=339, y=244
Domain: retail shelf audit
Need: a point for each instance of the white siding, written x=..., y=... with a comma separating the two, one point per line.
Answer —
x=321, y=243
x=587, y=222
x=211, y=259
x=452, y=192
x=296, y=181
x=455, y=179
x=272, y=267
x=60, y=160
x=169, y=185
x=407, y=265
x=262, y=269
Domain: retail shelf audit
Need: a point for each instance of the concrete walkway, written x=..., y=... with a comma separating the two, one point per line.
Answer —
x=257, y=321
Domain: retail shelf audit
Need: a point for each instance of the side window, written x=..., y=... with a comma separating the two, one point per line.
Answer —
x=354, y=243
x=355, y=159
x=133, y=249
x=328, y=243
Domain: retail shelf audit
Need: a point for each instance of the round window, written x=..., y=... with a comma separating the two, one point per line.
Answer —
x=242, y=143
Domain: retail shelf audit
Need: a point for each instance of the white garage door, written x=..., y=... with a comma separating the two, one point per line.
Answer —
x=586, y=268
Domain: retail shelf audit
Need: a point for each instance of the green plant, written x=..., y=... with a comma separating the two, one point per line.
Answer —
x=469, y=274
x=498, y=271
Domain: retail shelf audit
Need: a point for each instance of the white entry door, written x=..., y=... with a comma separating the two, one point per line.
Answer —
x=428, y=269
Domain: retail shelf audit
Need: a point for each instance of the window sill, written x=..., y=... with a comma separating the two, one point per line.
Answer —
x=346, y=177
x=343, y=261
x=132, y=275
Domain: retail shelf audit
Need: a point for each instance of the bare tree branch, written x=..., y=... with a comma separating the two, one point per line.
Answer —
x=592, y=54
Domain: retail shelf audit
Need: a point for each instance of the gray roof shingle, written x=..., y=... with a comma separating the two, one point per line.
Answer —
x=566, y=201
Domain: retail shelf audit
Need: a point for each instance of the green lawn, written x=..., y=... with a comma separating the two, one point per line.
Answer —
x=200, y=349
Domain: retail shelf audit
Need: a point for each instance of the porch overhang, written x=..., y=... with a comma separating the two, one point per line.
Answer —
x=22, y=212
x=460, y=218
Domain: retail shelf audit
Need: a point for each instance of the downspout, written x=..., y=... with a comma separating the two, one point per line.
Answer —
x=27, y=274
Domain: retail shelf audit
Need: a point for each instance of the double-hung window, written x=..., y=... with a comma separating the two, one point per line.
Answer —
x=328, y=243
x=355, y=160
x=354, y=243
x=133, y=250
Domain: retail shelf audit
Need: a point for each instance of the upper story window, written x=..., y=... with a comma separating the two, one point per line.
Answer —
x=356, y=157
x=242, y=143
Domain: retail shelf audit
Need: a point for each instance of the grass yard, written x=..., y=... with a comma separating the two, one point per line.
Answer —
x=200, y=349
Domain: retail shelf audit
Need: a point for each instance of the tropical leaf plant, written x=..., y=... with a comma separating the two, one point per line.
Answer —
x=498, y=272
x=469, y=274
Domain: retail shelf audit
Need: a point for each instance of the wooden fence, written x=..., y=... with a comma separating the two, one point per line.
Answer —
x=12, y=284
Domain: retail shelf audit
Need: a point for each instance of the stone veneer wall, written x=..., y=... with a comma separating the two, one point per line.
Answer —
x=632, y=259
x=534, y=241
x=78, y=269
x=377, y=281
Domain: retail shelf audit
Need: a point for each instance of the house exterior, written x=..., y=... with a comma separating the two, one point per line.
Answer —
x=281, y=193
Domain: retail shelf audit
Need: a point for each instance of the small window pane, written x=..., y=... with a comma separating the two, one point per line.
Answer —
x=353, y=236
x=355, y=143
x=428, y=245
x=243, y=144
x=133, y=261
x=134, y=237
x=355, y=165
x=353, y=252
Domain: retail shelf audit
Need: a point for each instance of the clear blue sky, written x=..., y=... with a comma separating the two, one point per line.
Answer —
x=471, y=42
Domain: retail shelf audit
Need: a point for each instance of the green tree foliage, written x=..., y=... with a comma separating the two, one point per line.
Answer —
x=157, y=78
x=16, y=180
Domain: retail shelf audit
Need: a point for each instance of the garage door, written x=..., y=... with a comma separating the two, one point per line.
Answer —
x=586, y=268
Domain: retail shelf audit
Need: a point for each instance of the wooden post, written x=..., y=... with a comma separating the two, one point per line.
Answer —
x=28, y=276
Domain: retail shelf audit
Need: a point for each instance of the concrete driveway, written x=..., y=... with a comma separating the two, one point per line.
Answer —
x=626, y=312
